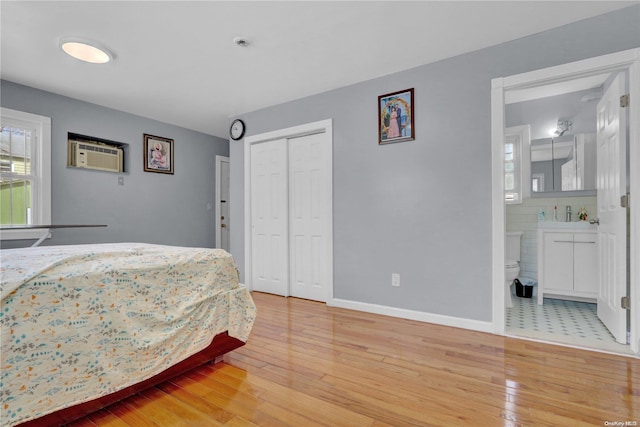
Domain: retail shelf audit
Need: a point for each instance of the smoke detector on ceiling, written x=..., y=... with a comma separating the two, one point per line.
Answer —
x=241, y=41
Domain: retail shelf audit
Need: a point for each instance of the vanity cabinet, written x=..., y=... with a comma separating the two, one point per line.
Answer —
x=567, y=265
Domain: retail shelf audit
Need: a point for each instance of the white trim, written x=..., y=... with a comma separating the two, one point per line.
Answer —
x=323, y=126
x=625, y=60
x=438, y=319
x=634, y=185
x=42, y=193
x=247, y=214
x=497, y=205
x=218, y=208
x=559, y=73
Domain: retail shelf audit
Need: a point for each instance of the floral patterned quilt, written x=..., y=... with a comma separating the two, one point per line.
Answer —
x=79, y=322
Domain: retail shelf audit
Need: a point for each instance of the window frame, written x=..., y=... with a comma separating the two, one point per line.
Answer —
x=540, y=178
x=41, y=170
x=522, y=163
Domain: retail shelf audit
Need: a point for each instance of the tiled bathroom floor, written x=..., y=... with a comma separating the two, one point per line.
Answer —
x=567, y=322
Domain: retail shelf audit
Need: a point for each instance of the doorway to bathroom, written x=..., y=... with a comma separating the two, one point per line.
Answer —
x=566, y=99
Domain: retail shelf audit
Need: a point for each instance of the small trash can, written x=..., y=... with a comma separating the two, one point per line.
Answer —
x=524, y=287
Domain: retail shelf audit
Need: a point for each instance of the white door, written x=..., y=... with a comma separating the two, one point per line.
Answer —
x=222, y=203
x=291, y=216
x=308, y=216
x=269, y=217
x=612, y=231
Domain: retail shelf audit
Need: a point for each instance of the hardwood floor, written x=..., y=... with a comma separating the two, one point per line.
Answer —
x=307, y=364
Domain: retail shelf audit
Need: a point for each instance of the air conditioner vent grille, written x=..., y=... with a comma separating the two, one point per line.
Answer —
x=98, y=149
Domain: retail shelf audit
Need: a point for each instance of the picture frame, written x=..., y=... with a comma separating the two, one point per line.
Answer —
x=157, y=154
x=395, y=117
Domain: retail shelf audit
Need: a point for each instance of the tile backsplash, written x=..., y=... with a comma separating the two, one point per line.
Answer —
x=524, y=217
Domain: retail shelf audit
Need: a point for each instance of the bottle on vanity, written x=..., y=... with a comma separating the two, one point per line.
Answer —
x=541, y=216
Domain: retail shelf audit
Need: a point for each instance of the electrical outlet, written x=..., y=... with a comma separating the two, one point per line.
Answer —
x=395, y=279
x=121, y=180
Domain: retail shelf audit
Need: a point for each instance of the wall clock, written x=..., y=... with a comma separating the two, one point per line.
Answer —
x=236, y=131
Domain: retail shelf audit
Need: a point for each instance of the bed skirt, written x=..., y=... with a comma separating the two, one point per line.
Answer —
x=222, y=344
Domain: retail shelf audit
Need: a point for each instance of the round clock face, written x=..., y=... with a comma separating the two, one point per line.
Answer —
x=237, y=129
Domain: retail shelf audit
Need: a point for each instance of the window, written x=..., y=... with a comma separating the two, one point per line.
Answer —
x=537, y=182
x=516, y=164
x=25, y=172
x=511, y=181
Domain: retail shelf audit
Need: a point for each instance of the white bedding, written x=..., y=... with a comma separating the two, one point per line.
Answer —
x=79, y=322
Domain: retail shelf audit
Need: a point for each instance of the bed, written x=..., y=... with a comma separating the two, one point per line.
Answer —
x=86, y=325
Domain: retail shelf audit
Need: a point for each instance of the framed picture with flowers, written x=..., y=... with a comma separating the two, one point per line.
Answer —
x=158, y=154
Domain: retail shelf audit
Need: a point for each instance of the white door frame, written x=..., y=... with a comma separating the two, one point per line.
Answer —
x=323, y=126
x=218, y=210
x=626, y=60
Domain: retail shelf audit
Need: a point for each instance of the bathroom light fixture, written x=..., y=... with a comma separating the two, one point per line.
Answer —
x=85, y=50
x=563, y=126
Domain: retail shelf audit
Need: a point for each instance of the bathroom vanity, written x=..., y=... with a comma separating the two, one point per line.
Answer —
x=567, y=261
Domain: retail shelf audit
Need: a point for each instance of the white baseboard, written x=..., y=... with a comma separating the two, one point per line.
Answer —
x=439, y=319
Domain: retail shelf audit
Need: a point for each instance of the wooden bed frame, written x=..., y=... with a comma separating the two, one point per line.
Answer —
x=221, y=344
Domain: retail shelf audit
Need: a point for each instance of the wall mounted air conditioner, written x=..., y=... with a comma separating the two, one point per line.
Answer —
x=95, y=156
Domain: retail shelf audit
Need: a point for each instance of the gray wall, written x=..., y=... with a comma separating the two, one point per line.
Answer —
x=149, y=207
x=423, y=208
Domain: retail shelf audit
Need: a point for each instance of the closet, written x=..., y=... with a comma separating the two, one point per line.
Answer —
x=290, y=216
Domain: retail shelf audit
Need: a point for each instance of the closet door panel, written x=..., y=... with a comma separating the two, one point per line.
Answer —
x=308, y=200
x=269, y=217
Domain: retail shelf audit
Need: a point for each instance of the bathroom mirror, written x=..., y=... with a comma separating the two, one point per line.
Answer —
x=565, y=163
x=569, y=157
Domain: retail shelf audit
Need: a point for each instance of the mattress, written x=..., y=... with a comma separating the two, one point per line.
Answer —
x=83, y=321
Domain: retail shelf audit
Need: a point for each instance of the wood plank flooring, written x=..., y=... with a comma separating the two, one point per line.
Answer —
x=307, y=364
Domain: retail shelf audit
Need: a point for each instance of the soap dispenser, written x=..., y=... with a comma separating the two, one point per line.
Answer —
x=541, y=217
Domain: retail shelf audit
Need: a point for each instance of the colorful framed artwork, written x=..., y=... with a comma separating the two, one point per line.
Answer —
x=158, y=154
x=395, y=117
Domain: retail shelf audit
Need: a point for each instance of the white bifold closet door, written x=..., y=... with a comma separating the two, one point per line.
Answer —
x=289, y=214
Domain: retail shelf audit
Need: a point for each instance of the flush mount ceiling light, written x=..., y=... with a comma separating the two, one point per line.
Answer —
x=85, y=50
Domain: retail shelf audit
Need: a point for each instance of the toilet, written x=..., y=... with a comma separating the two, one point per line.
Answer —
x=512, y=263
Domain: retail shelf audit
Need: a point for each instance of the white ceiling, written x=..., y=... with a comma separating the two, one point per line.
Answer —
x=175, y=61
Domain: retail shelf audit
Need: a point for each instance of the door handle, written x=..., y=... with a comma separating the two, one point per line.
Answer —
x=595, y=221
